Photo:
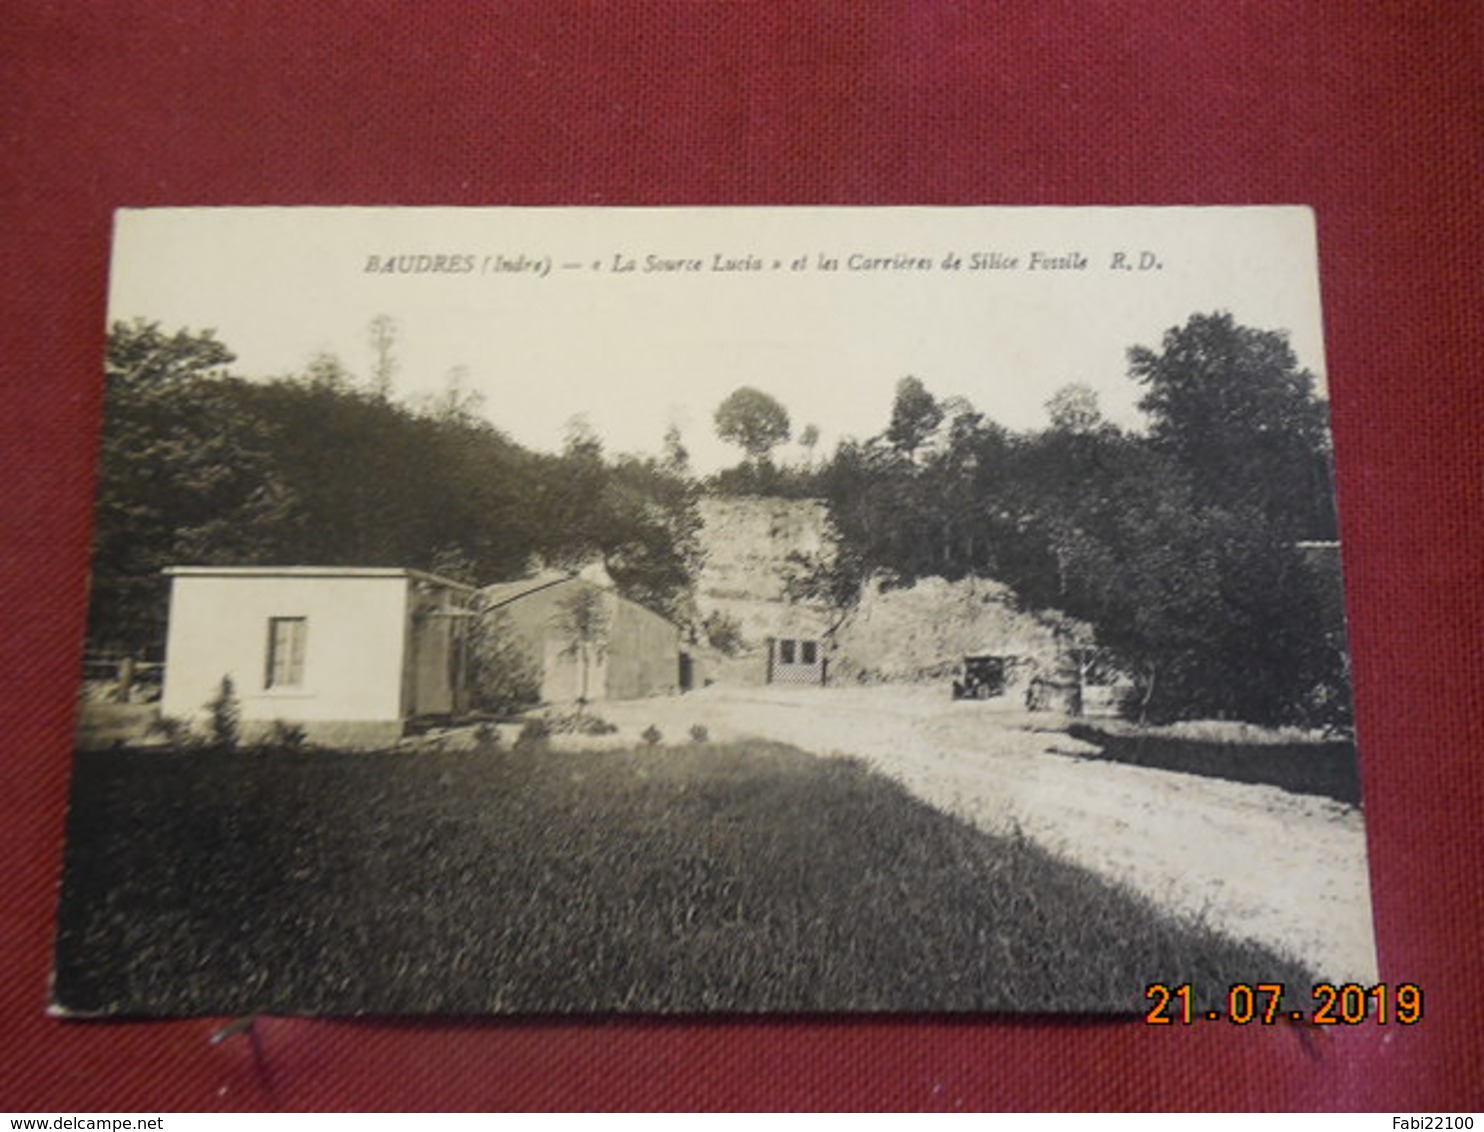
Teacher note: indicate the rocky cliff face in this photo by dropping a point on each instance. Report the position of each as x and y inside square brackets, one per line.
[923, 632]
[916, 633]
[747, 541]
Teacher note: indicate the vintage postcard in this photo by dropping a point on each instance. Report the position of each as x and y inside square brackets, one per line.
[716, 610]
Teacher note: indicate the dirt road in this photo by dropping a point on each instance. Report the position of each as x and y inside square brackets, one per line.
[1254, 861]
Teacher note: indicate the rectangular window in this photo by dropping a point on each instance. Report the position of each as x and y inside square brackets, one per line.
[785, 652]
[810, 652]
[286, 651]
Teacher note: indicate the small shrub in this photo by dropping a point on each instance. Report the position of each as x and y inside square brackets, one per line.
[651, 736]
[724, 633]
[594, 725]
[225, 726]
[698, 733]
[534, 732]
[285, 736]
[580, 723]
[175, 731]
[486, 738]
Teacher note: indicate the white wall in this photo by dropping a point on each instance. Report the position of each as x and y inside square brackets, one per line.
[353, 649]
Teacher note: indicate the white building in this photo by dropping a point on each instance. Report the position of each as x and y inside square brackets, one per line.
[349, 654]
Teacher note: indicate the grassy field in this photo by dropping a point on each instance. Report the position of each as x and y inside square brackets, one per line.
[1326, 768]
[736, 877]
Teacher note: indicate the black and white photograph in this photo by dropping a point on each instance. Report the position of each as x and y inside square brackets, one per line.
[714, 611]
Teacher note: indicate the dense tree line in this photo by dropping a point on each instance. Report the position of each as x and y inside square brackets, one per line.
[202, 467]
[1188, 547]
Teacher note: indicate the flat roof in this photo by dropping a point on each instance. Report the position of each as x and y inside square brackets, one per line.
[312, 572]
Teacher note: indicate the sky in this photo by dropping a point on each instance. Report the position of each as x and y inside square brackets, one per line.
[639, 319]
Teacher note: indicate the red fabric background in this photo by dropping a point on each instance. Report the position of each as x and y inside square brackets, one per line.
[1371, 113]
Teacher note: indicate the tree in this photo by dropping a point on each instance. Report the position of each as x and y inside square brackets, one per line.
[1185, 562]
[457, 403]
[1232, 407]
[753, 420]
[327, 371]
[201, 467]
[1074, 409]
[915, 416]
[141, 355]
[723, 632]
[807, 441]
[676, 456]
[580, 440]
[1218, 616]
[381, 333]
[646, 525]
[185, 476]
[582, 621]
[455, 563]
[1195, 572]
[224, 717]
